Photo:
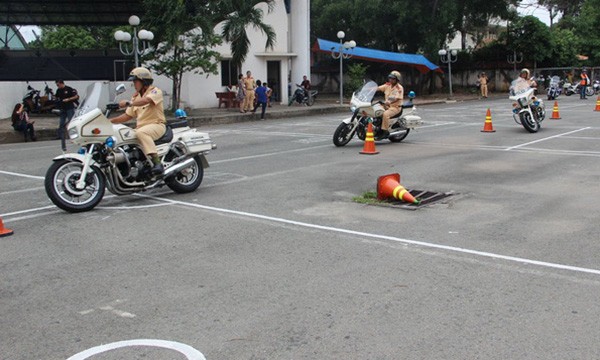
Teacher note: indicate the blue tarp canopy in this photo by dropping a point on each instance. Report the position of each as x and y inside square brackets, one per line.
[419, 62]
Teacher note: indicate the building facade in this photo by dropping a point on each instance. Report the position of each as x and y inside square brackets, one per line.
[287, 61]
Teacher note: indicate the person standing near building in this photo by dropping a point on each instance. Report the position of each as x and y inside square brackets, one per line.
[483, 84]
[269, 94]
[305, 86]
[241, 92]
[67, 99]
[261, 94]
[249, 86]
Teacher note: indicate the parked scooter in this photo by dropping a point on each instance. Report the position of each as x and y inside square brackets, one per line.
[554, 88]
[300, 96]
[36, 104]
[364, 110]
[571, 89]
[528, 110]
[110, 157]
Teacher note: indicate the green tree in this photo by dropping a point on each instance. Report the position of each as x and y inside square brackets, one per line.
[357, 73]
[76, 37]
[531, 37]
[237, 16]
[184, 43]
[586, 29]
[565, 47]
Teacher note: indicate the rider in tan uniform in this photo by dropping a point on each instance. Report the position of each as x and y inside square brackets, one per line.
[147, 107]
[394, 93]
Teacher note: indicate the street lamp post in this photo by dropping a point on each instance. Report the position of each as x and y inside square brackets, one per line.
[514, 59]
[124, 37]
[343, 52]
[448, 57]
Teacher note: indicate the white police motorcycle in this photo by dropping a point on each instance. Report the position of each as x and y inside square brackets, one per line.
[528, 110]
[365, 111]
[110, 157]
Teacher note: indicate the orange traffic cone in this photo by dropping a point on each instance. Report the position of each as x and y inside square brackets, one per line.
[487, 126]
[597, 104]
[555, 114]
[389, 186]
[369, 148]
[4, 231]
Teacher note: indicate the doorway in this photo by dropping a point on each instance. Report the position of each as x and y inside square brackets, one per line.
[274, 79]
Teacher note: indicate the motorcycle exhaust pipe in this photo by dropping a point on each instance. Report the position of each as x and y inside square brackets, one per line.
[174, 169]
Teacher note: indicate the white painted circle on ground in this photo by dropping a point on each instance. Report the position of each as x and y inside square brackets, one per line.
[188, 351]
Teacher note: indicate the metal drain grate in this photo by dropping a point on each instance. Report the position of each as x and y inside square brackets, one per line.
[426, 197]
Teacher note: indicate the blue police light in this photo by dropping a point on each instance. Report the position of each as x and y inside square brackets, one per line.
[110, 142]
[411, 95]
[81, 151]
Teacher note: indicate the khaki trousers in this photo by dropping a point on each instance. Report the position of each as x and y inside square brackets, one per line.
[249, 100]
[147, 134]
[484, 90]
[385, 125]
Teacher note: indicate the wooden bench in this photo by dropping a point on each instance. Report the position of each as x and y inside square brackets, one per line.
[227, 98]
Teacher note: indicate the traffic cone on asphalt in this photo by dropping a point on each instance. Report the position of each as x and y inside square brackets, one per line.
[369, 148]
[389, 186]
[597, 104]
[4, 231]
[555, 114]
[487, 126]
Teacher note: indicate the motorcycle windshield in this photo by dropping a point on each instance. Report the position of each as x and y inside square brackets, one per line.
[554, 81]
[519, 87]
[366, 92]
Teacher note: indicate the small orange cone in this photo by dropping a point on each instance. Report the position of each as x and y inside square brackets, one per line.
[487, 126]
[369, 148]
[389, 186]
[4, 231]
[555, 114]
[597, 104]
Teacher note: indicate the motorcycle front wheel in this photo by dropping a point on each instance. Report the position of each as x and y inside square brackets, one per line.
[343, 134]
[188, 179]
[60, 184]
[529, 122]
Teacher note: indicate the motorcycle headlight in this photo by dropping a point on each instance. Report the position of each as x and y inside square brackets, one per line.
[352, 108]
[73, 133]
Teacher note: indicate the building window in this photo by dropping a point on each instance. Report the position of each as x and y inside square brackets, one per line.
[228, 73]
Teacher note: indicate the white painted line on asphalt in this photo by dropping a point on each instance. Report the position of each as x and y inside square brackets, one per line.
[384, 237]
[547, 138]
[189, 352]
[28, 211]
[21, 191]
[22, 175]
[57, 147]
[270, 154]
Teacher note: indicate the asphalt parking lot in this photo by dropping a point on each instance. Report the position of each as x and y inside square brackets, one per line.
[271, 259]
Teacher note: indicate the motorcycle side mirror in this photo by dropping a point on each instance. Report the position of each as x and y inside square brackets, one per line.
[120, 89]
[411, 95]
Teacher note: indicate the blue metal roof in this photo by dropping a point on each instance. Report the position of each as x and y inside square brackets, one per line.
[420, 62]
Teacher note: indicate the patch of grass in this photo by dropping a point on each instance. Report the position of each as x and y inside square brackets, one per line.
[369, 197]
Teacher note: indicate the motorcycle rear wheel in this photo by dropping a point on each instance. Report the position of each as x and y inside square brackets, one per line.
[529, 122]
[342, 134]
[60, 186]
[188, 179]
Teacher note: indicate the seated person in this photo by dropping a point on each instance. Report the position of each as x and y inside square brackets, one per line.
[21, 122]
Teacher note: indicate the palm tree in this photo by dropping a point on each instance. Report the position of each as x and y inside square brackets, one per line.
[236, 16]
